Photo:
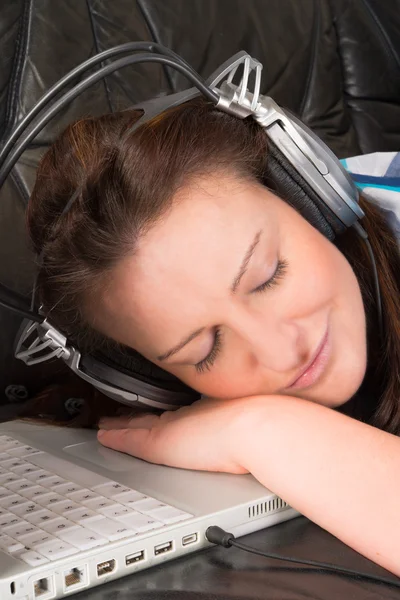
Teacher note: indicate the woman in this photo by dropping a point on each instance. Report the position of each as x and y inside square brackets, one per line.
[176, 248]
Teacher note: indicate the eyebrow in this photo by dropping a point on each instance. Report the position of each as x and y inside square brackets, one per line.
[233, 289]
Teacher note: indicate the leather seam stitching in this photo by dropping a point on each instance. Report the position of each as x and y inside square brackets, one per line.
[156, 39]
[346, 108]
[310, 76]
[17, 179]
[96, 46]
[386, 42]
[18, 67]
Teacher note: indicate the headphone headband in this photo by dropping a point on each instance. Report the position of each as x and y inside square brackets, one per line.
[329, 199]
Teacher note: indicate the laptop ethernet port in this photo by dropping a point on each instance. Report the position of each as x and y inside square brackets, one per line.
[106, 567]
[75, 578]
[43, 588]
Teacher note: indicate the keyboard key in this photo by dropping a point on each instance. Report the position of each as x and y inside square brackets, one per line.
[148, 505]
[20, 484]
[49, 499]
[128, 498]
[13, 463]
[65, 489]
[56, 549]
[83, 496]
[23, 451]
[113, 512]
[8, 477]
[9, 519]
[140, 522]
[82, 515]
[49, 480]
[40, 475]
[170, 515]
[100, 503]
[26, 470]
[8, 544]
[64, 506]
[4, 493]
[34, 492]
[34, 516]
[10, 445]
[83, 539]
[17, 531]
[110, 489]
[12, 501]
[31, 540]
[33, 558]
[22, 509]
[55, 526]
[112, 530]
[41, 516]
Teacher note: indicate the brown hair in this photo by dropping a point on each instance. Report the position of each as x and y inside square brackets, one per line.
[126, 181]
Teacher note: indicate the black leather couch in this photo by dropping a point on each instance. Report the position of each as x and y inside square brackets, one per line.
[335, 63]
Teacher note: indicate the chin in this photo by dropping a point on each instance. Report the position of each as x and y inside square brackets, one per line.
[337, 389]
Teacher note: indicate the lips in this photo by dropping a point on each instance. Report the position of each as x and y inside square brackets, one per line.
[315, 367]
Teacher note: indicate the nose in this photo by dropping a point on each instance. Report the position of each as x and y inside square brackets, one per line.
[280, 346]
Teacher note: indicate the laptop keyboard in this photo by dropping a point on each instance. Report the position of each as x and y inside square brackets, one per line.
[44, 516]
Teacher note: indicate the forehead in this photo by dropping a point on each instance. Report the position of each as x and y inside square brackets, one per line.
[186, 260]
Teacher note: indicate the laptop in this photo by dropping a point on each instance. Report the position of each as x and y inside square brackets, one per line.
[74, 515]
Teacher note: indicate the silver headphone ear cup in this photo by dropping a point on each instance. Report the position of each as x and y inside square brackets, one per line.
[287, 183]
[128, 370]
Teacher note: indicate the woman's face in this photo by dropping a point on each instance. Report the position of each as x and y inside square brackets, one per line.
[238, 295]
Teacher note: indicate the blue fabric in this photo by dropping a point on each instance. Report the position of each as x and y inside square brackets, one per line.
[389, 182]
[378, 176]
[394, 168]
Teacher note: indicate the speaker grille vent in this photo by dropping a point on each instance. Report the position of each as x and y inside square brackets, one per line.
[264, 508]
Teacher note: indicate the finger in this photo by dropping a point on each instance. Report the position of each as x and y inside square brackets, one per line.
[146, 421]
[134, 442]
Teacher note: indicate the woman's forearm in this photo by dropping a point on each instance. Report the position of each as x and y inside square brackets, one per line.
[342, 474]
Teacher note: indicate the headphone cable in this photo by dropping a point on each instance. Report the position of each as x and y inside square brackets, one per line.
[14, 302]
[220, 537]
[19, 148]
[74, 73]
[364, 236]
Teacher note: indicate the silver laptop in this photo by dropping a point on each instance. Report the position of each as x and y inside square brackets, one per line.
[74, 515]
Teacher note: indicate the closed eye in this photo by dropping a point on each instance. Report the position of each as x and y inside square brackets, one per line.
[280, 271]
[206, 363]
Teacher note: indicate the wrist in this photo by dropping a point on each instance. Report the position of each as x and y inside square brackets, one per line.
[252, 425]
[262, 425]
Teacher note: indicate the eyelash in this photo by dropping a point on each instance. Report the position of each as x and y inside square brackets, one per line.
[208, 361]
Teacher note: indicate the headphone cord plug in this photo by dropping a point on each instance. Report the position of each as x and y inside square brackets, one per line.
[220, 537]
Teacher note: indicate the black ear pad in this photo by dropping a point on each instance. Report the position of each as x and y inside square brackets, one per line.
[283, 179]
[133, 364]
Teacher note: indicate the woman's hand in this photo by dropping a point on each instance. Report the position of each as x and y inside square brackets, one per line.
[208, 435]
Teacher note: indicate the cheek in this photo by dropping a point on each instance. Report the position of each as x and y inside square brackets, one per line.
[320, 275]
[337, 285]
[232, 383]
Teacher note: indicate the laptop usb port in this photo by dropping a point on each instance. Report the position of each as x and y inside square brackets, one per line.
[134, 558]
[163, 548]
[189, 539]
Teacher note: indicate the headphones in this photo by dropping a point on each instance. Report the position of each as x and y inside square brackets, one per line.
[301, 168]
